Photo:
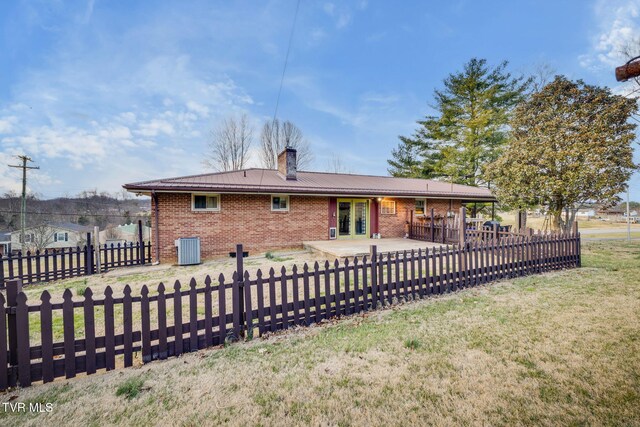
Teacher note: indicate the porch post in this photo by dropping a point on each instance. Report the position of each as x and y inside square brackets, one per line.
[432, 230]
[411, 225]
[462, 237]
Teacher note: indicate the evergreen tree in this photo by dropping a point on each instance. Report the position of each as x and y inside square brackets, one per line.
[469, 129]
[406, 160]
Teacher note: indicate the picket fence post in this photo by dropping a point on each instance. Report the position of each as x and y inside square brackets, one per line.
[14, 287]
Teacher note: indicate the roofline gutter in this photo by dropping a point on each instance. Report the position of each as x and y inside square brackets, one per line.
[149, 192]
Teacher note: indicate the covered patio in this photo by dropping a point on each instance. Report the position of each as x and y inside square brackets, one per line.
[359, 247]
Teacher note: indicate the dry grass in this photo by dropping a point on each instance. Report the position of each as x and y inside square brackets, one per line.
[538, 223]
[557, 349]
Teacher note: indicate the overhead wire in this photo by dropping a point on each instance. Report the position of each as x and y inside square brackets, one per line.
[286, 61]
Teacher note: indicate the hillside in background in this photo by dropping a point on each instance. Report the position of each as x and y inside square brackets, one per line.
[87, 208]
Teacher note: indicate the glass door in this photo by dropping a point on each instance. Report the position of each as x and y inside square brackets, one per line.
[344, 218]
[360, 217]
[353, 218]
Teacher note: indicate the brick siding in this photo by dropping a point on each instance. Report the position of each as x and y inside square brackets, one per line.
[248, 219]
[243, 218]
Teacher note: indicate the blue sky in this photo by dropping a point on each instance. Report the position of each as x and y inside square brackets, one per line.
[102, 93]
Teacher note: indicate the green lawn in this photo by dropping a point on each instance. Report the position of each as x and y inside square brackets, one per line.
[557, 349]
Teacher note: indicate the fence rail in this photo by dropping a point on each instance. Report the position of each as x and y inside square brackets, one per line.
[63, 263]
[179, 320]
[447, 230]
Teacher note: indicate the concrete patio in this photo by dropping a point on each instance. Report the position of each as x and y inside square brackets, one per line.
[360, 247]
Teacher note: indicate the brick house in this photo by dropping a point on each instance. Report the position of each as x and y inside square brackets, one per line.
[269, 209]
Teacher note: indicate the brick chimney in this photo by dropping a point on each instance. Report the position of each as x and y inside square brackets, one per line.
[287, 163]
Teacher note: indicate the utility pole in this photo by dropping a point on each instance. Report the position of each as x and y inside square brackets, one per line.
[23, 210]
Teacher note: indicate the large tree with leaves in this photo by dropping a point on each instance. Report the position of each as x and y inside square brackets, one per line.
[570, 143]
[469, 129]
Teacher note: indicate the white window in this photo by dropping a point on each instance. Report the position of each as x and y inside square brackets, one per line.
[421, 205]
[205, 202]
[280, 203]
[388, 207]
[28, 238]
[61, 237]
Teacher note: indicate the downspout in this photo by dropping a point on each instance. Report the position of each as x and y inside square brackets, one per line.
[154, 196]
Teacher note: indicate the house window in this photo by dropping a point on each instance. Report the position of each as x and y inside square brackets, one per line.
[420, 206]
[61, 237]
[280, 203]
[28, 238]
[205, 202]
[388, 207]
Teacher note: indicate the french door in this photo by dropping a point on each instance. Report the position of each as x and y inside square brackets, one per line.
[353, 217]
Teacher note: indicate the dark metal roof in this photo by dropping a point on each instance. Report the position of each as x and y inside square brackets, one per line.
[270, 181]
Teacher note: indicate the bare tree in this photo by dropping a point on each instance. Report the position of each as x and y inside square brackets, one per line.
[40, 236]
[542, 74]
[631, 48]
[336, 165]
[228, 149]
[276, 136]
[112, 233]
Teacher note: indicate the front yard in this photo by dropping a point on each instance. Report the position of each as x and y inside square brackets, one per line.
[561, 348]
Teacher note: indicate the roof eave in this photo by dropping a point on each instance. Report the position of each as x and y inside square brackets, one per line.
[318, 192]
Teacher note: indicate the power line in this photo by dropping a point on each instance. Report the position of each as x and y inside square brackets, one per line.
[286, 60]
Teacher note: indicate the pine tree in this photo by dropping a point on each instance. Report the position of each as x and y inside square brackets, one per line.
[405, 162]
[470, 126]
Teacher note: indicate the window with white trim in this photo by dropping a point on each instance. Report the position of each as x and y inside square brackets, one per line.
[205, 202]
[28, 238]
[279, 203]
[421, 205]
[61, 237]
[388, 207]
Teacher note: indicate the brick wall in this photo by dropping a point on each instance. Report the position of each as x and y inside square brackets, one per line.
[248, 219]
[243, 218]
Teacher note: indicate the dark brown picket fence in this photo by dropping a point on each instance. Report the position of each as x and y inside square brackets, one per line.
[63, 263]
[116, 328]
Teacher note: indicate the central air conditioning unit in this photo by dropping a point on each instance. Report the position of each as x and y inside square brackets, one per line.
[332, 233]
[188, 250]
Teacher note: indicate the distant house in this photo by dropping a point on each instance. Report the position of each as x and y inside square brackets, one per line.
[50, 236]
[5, 242]
[124, 233]
[586, 213]
[611, 214]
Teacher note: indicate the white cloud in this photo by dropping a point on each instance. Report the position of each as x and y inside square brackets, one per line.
[202, 110]
[155, 127]
[7, 124]
[329, 8]
[341, 15]
[618, 28]
[128, 117]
